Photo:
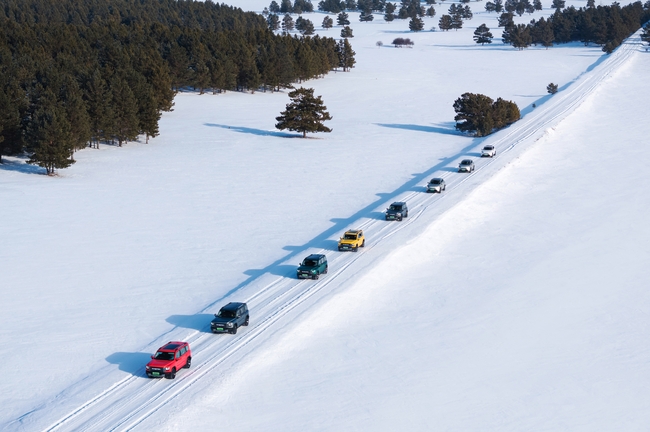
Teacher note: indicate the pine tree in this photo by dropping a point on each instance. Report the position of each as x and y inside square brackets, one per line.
[389, 12]
[551, 88]
[287, 24]
[591, 4]
[518, 36]
[125, 111]
[346, 32]
[48, 135]
[285, 7]
[416, 24]
[474, 114]
[483, 35]
[366, 15]
[431, 12]
[506, 20]
[490, 7]
[306, 27]
[498, 6]
[273, 21]
[328, 22]
[274, 7]
[537, 5]
[343, 19]
[346, 55]
[305, 113]
[558, 4]
[445, 23]
[466, 13]
[456, 22]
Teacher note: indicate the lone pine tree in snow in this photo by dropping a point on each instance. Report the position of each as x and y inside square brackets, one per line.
[305, 113]
[482, 35]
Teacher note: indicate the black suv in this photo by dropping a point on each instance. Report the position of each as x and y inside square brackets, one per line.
[397, 211]
[312, 266]
[229, 318]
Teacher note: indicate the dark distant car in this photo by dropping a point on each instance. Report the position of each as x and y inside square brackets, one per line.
[488, 151]
[230, 318]
[169, 359]
[466, 165]
[397, 211]
[312, 266]
[436, 185]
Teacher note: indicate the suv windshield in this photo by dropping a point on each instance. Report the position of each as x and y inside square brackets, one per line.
[466, 162]
[396, 207]
[227, 314]
[435, 181]
[350, 236]
[309, 263]
[160, 355]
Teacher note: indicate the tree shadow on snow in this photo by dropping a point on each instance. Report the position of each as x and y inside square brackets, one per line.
[200, 322]
[130, 362]
[254, 131]
[441, 129]
[21, 166]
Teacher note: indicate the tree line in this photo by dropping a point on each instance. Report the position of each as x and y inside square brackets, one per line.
[606, 26]
[74, 72]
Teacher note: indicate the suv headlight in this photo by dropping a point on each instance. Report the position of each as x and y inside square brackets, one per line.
[147, 367]
[167, 368]
[229, 324]
[313, 271]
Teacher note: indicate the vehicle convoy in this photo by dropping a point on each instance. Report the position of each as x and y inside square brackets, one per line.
[230, 318]
[488, 151]
[169, 359]
[466, 165]
[436, 185]
[352, 240]
[312, 267]
[397, 211]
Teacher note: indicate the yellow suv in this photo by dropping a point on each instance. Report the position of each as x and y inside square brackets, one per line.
[352, 240]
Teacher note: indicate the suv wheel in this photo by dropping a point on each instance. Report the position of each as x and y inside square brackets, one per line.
[188, 363]
[172, 374]
[400, 218]
[363, 243]
[246, 322]
[406, 214]
[315, 277]
[234, 329]
[325, 271]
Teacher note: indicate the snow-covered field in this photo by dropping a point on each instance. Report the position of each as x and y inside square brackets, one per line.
[516, 300]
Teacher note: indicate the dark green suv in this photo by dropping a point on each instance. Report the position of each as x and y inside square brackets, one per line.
[312, 266]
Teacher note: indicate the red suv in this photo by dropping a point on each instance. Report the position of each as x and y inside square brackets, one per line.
[169, 359]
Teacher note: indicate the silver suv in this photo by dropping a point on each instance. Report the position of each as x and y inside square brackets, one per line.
[466, 165]
[436, 185]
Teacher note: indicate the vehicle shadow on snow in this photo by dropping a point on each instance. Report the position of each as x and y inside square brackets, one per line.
[131, 362]
[254, 131]
[200, 321]
[278, 270]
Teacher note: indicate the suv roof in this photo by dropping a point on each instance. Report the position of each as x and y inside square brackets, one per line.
[398, 203]
[232, 306]
[171, 346]
[315, 256]
[353, 231]
[466, 161]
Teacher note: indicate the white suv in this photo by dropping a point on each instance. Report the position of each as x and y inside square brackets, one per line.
[488, 151]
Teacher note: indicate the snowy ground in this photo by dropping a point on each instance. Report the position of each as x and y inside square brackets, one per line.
[515, 301]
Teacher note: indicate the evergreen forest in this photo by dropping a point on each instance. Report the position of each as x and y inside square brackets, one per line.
[606, 26]
[75, 73]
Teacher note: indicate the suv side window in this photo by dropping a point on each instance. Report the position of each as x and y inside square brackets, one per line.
[178, 355]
